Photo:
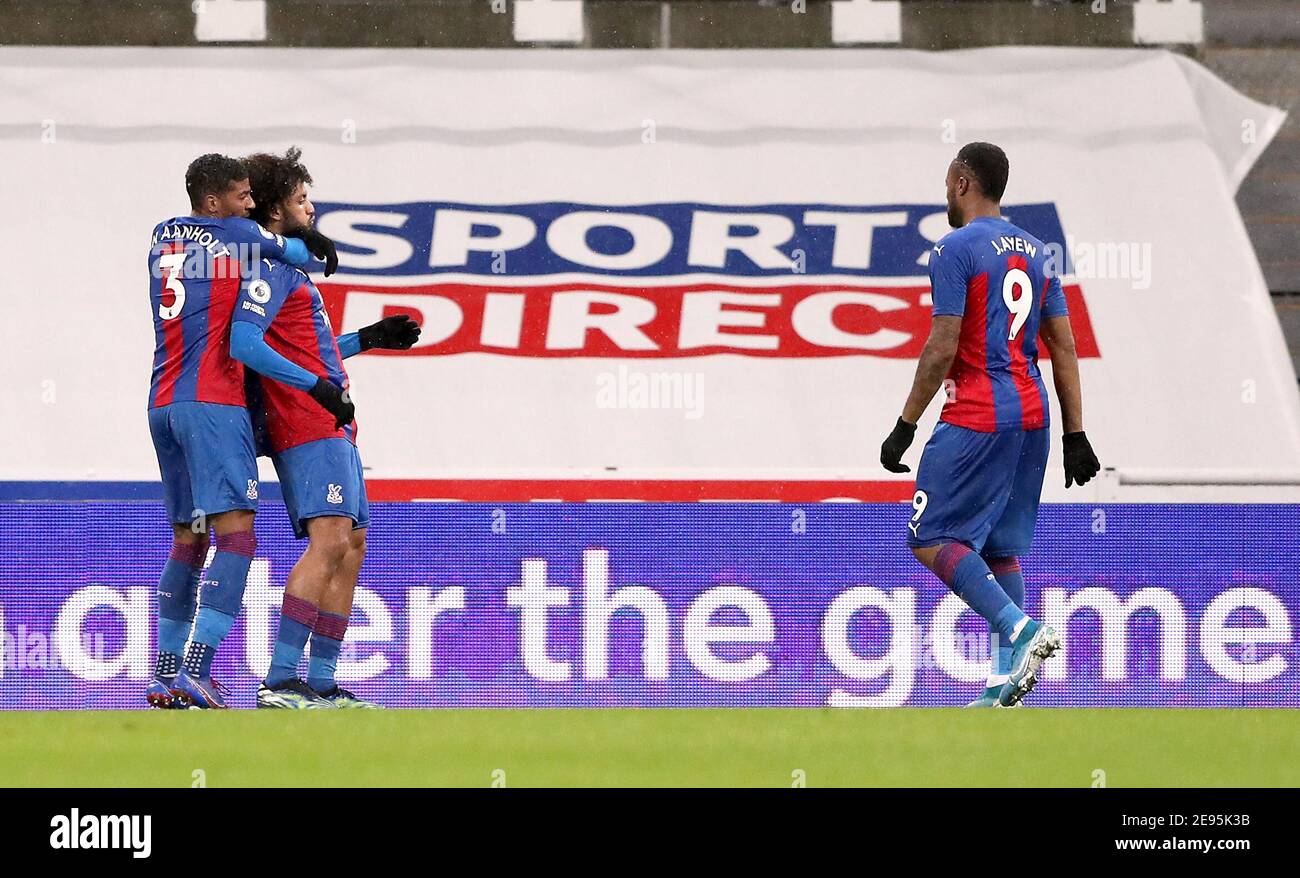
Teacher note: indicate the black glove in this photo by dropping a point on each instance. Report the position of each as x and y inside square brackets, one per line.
[396, 333]
[322, 248]
[334, 400]
[891, 450]
[1081, 463]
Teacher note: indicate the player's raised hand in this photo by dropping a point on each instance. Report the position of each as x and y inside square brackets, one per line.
[396, 333]
[322, 248]
[891, 450]
[334, 400]
[1081, 463]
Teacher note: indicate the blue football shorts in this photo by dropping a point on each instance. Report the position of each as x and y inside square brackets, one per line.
[980, 489]
[206, 458]
[322, 478]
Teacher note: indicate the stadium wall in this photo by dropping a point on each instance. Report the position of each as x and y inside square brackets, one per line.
[572, 229]
[499, 196]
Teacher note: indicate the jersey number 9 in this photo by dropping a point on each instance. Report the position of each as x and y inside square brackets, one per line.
[1018, 294]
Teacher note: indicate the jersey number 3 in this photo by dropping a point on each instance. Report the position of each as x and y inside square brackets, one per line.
[171, 264]
[1018, 294]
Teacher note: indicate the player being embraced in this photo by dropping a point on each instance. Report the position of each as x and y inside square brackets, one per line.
[282, 331]
[981, 474]
[197, 419]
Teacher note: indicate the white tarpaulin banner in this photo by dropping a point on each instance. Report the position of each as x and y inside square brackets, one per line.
[649, 265]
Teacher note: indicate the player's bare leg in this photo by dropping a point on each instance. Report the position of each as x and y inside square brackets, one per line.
[927, 554]
[177, 599]
[327, 639]
[328, 545]
[220, 600]
[338, 594]
[188, 535]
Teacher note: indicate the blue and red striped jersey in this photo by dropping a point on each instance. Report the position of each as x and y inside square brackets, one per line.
[286, 305]
[997, 278]
[195, 268]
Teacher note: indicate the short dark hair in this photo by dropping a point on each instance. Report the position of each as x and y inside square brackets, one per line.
[988, 165]
[273, 178]
[212, 174]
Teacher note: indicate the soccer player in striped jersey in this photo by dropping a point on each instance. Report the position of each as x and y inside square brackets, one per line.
[981, 474]
[197, 419]
[282, 332]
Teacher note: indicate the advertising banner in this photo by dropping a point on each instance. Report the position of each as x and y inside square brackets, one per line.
[658, 269]
[549, 605]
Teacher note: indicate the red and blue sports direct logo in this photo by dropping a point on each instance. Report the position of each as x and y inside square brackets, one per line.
[562, 279]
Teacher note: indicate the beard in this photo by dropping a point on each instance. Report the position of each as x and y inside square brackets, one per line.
[954, 216]
[293, 228]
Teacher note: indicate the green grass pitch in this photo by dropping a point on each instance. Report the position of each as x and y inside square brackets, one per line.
[753, 747]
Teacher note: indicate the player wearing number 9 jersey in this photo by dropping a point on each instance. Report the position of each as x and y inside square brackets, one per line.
[993, 276]
[200, 428]
[981, 474]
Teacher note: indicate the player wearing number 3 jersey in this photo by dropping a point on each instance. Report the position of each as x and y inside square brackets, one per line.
[197, 419]
[981, 474]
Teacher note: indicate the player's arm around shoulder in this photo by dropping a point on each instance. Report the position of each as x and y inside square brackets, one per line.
[259, 243]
